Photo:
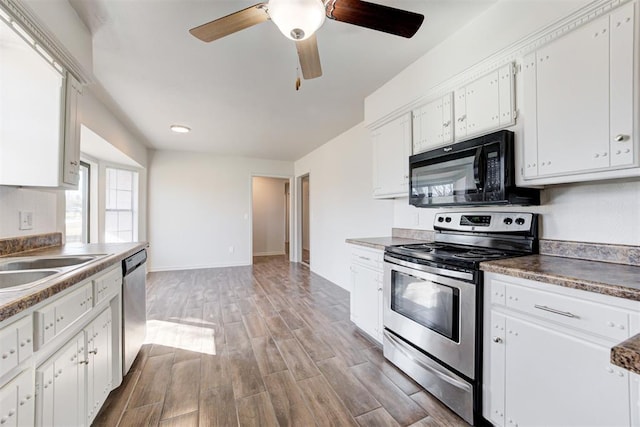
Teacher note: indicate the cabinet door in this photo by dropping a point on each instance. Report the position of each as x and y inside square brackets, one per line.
[365, 296]
[483, 104]
[26, 398]
[391, 151]
[573, 101]
[432, 124]
[9, 405]
[99, 368]
[494, 381]
[460, 113]
[31, 96]
[530, 146]
[61, 394]
[621, 112]
[71, 155]
[554, 379]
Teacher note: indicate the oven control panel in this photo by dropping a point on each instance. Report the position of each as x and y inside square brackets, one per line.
[485, 222]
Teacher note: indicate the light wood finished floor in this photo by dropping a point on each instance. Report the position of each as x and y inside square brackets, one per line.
[268, 345]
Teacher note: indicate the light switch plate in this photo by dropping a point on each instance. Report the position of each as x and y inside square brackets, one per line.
[26, 220]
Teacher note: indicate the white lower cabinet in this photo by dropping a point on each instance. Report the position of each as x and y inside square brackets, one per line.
[366, 290]
[74, 383]
[544, 362]
[99, 358]
[17, 401]
[65, 378]
[60, 385]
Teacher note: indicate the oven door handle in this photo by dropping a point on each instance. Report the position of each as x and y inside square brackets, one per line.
[400, 346]
[478, 169]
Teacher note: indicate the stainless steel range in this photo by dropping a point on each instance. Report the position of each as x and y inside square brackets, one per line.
[433, 301]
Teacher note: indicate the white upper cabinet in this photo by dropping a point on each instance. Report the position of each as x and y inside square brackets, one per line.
[39, 125]
[485, 104]
[433, 124]
[71, 146]
[578, 101]
[391, 151]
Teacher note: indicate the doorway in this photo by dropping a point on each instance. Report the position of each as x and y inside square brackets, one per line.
[270, 216]
[305, 219]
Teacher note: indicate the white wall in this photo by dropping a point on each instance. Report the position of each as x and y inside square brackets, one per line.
[341, 203]
[201, 208]
[43, 203]
[596, 212]
[268, 216]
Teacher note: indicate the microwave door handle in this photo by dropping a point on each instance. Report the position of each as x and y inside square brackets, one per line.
[478, 169]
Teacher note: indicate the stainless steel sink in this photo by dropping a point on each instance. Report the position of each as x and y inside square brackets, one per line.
[15, 280]
[45, 262]
[25, 272]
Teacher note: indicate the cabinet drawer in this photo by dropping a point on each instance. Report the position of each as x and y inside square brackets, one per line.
[106, 285]
[589, 316]
[371, 258]
[8, 349]
[16, 344]
[55, 317]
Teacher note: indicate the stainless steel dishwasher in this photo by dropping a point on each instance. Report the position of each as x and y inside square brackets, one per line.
[134, 307]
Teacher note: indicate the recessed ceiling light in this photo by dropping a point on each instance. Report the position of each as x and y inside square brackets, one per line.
[180, 129]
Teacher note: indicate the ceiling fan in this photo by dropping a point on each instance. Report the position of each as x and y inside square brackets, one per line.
[300, 19]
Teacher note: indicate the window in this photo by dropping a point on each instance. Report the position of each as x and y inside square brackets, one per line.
[77, 209]
[121, 206]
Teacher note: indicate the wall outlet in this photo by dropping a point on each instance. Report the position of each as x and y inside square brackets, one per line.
[26, 220]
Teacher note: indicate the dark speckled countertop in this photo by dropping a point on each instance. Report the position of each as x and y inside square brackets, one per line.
[618, 280]
[381, 242]
[13, 302]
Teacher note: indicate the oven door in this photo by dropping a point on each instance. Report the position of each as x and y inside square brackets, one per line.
[435, 313]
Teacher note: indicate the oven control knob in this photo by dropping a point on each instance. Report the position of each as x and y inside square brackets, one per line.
[448, 219]
[519, 221]
[507, 221]
[440, 219]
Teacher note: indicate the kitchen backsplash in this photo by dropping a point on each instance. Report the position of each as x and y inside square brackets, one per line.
[618, 254]
[43, 204]
[28, 243]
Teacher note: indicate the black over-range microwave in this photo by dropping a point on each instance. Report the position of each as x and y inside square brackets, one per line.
[476, 172]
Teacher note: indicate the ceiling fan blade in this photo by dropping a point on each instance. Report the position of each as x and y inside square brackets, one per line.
[309, 58]
[232, 23]
[375, 16]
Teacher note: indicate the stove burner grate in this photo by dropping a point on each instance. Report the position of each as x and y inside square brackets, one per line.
[479, 254]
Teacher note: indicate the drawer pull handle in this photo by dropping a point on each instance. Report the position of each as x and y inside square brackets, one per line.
[364, 258]
[553, 310]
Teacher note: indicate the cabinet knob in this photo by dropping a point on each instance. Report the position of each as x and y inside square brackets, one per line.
[596, 155]
[620, 138]
[497, 340]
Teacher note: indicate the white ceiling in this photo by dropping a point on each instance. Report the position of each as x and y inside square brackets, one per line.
[237, 93]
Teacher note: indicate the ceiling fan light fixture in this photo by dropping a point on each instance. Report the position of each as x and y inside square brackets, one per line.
[180, 129]
[297, 19]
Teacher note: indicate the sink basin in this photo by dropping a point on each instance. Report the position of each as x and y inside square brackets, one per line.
[42, 263]
[18, 279]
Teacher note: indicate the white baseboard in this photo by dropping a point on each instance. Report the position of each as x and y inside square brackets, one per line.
[195, 267]
[269, 253]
